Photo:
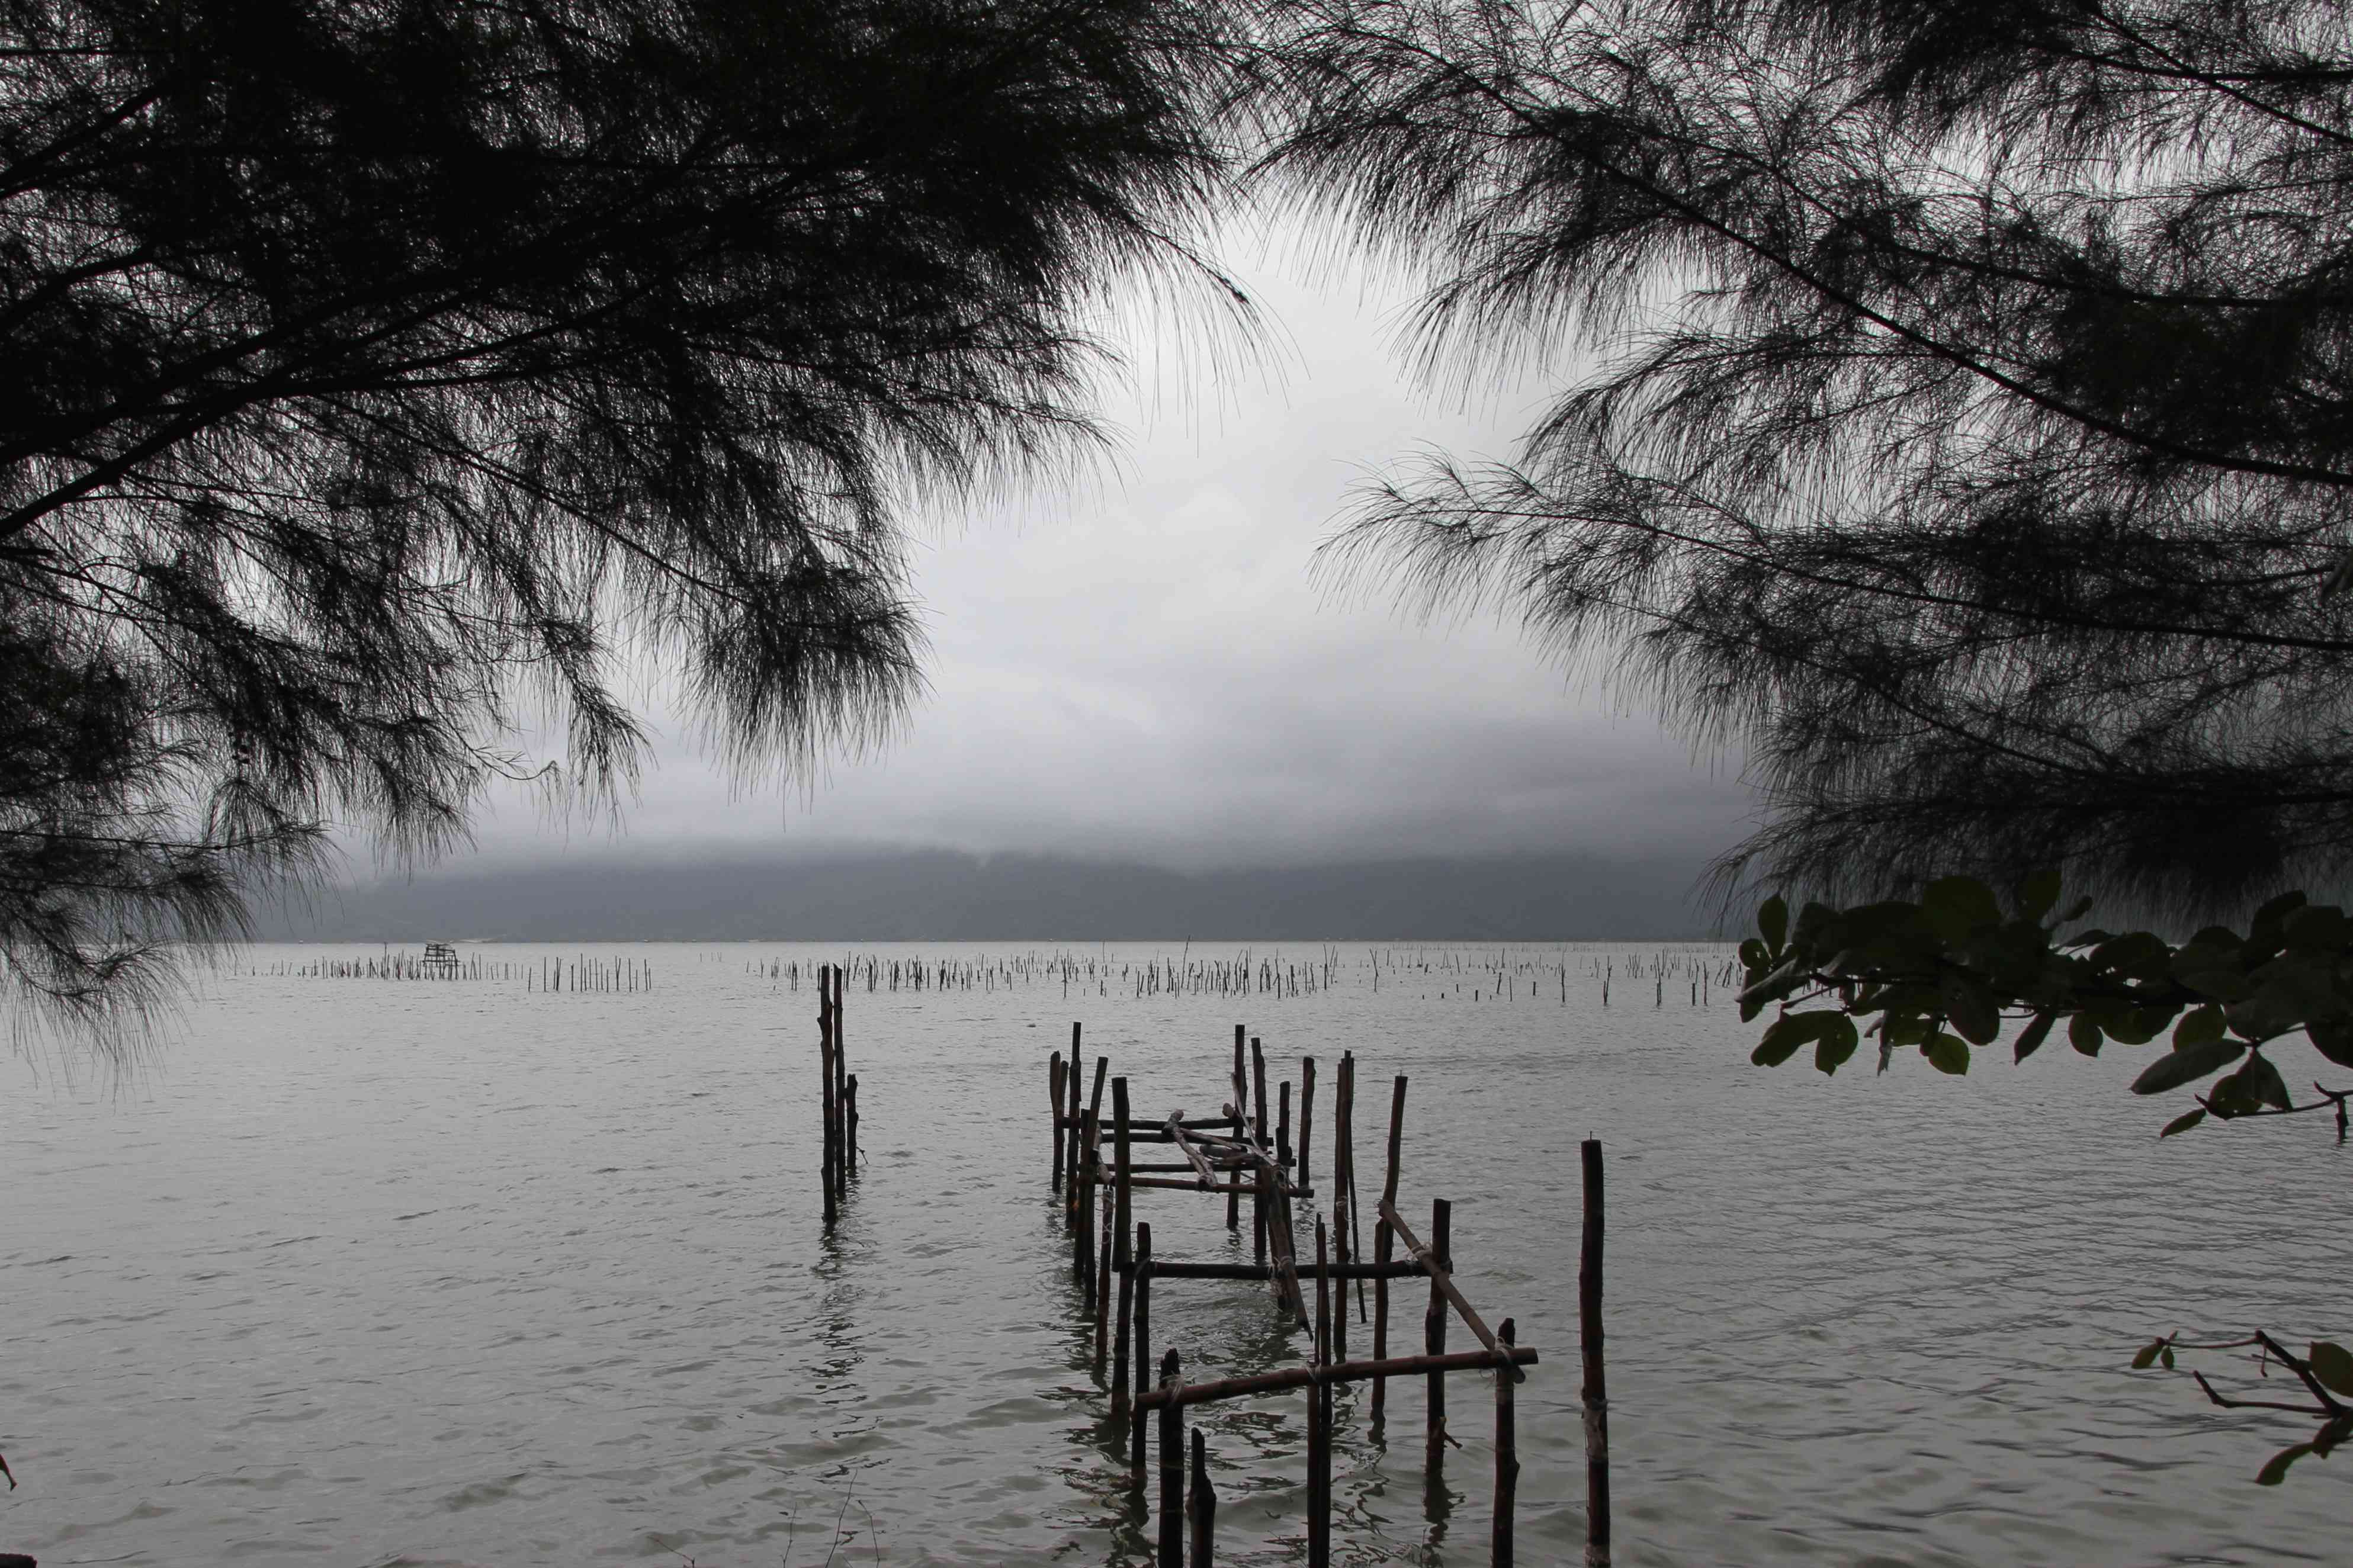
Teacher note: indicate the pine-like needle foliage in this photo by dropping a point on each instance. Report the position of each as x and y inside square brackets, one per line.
[1966, 424]
[375, 367]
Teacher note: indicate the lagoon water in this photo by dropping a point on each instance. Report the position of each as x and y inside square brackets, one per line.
[365, 1273]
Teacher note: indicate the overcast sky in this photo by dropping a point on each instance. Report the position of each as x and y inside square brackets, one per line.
[1139, 666]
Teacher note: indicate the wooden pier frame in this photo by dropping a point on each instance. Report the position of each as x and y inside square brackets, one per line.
[1244, 1149]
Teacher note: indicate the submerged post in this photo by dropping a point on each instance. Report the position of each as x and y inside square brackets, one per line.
[1433, 1331]
[1507, 1453]
[1070, 1081]
[1120, 1258]
[1319, 1417]
[1241, 1109]
[1306, 1119]
[1201, 1507]
[1054, 1097]
[826, 1022]
[1143, 1340]
[1172, 1466]
[1384, 1245]
[1596, 1388]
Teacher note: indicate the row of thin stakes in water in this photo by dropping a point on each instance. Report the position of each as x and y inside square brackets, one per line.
[550, 973]
[1445, 974]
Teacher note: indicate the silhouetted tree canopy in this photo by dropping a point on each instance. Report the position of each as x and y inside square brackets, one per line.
[376, 372]
[1961, 422]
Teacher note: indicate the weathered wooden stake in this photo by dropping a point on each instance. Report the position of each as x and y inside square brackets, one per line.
[1120, 1257]
[1306, 1119]
[850, 1126]
[1433, 1334]
[1054, 1096]
[1319, 1417]
[1172, 1469]
[1241, 1109]
[1507, 1453]
[826, 1022]
[1282, 1130]
[1202, 1506]
[1257, 1125]
[1071, 1080]
[1143, 1340]
[1385, 1245]
[1597, 1387]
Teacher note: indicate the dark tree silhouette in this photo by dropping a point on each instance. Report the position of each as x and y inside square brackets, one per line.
[1962, 422]
[377, 370]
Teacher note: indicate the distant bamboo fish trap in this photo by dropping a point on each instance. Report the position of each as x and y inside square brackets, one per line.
[1237, 1154]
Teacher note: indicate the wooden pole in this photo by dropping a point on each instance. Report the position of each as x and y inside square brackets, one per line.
[1143, 1342]
[840, 1090]
[1242, 1106]
[1319, 1417]
[1343, 1172]
[1054, 1096]
[1342, 1371]
[1071, 1078]
[1384, 1245]
[826, 1010]
[1103, 1291]
[1597, 1386]
[1283, 1127]
[1202, 1506]
[1507, 1454]
[1172, 1468]
[1306, 1119]
[1083, 1184]
[1120, 1257]
[850, 1127]
[1257, 1122]
[1433, 1336]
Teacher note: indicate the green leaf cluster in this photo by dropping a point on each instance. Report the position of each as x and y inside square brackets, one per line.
[1947, 973]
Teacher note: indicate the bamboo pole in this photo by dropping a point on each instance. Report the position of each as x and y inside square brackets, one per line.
[840, 1091]
[1282, 1126]
[1062, 1135]
[1172, 1468]
[826, 1010]
[850, 1127]
[1120, 1257]
[1507, 1454]
[1083, 1187]
[1240, 1105]
[1258, 1126]
[1433, 1331]
[1344, 1170]
[1071, 1160]
[1442, 1282]
[1319, 1417]
[1597, 1386]
[1172, 1269]
[1384, 1244]
[1142, 1341]
[1201, 1507]
[1306, 1119]
[1340, 1371]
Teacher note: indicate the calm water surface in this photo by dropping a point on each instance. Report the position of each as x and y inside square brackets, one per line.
[368, 1274]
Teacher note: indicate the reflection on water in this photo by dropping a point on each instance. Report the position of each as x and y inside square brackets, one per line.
[374, 1273]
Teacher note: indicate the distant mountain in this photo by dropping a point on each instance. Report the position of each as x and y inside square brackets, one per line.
[943, 896]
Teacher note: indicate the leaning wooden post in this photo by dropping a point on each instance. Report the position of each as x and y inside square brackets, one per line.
[1384, 1245]
[1143, 1271]
[1597, 1387]
[1201, 1507]
[1508, 1452]
[1319, 1417]
[1120, 1258]
[1241, 1108]
[1306, 1119]
[1433, 1332]
[1172, 1466]
[1054, 1097]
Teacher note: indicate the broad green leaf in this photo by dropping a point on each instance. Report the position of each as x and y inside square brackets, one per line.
[2322, 926]
[2199, 1026]
[1947, 1053]
[1835, 1045]
[2030, 1038]
[2139, 953]
[1755, 958]
[2333, 1366]
[2260, 1082]
[2084, 1034]
[2265, 928]
[1976, 1016]
[2177, 1067]
[2274, 1469]
[2332, 1038]
[1955, 908]
[2039, 893]
[1773, 921]
[1792, 1030]
[2184, 1122]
